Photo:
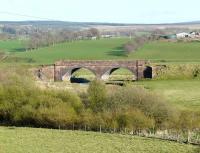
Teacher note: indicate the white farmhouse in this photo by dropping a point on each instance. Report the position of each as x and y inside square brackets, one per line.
[195, 35]
[93, 38]
[182, 35]
[106, 36]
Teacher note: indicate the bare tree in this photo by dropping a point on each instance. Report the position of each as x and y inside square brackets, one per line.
[134, 45]
[94, 32]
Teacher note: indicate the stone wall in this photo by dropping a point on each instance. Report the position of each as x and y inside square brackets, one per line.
[46, 73]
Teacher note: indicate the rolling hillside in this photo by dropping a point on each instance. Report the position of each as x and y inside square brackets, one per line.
[105, 49]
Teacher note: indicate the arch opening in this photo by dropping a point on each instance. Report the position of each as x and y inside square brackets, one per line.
[119, 74]
[82, 75]
[147, 72]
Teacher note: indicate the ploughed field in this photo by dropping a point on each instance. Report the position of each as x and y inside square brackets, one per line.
[21, 140]
[103, 49]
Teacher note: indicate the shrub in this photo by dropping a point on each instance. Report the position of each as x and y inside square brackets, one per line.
[151, 104]
[22, 103]
[97, 95]
[178, 71]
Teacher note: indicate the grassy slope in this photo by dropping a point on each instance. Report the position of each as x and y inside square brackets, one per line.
[12, 46]
[21, 140]
[96, 49]
[170, 51]
[180, 93]
[106, 49]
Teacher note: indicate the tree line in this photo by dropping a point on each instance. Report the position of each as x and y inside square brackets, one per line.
[138, 42]
[48, 38]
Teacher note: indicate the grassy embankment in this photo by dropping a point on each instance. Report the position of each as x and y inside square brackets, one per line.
[20, 140]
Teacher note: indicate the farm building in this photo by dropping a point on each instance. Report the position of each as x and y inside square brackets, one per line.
[188, 35]
[93, 38]
[106, 36]
[195, 35]
[183, 35]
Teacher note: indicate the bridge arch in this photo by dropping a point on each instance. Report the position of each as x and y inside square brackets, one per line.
[108, 73]
[71, 74]
[147, 73]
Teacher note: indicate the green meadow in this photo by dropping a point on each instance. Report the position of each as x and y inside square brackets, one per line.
[183, 94]
[104, 49]
[169, 52]
[29, 140]
[11, 46]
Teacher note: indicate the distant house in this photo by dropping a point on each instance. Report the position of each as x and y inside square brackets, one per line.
[194, 35]
[188, 35]
[93, 38]
[191, 35]
[80, 37]
[183, 35]
[106, 36]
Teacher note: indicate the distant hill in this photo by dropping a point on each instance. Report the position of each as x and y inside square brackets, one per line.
[59, 24]
[68, 23]
[188, 23]
[79, 25]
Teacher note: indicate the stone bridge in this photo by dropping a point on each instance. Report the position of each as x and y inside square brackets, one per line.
[63, 70]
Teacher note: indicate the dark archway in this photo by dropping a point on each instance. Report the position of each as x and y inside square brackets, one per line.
[82, 75]
[148, 72]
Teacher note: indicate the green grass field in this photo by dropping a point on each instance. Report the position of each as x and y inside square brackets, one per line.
[183, 94]
[12, 46]
[30, 140]
[105, 49]
[170, 52]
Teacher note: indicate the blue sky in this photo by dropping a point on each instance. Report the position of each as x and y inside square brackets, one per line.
[119, 11]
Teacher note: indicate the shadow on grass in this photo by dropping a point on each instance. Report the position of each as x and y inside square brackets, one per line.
[118, 51]
[11, 128]
[19, 50]
[19, 60]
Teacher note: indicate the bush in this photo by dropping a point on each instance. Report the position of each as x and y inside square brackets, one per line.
[22, 103]
[97, 95]
[151, 104]
[179, 71]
